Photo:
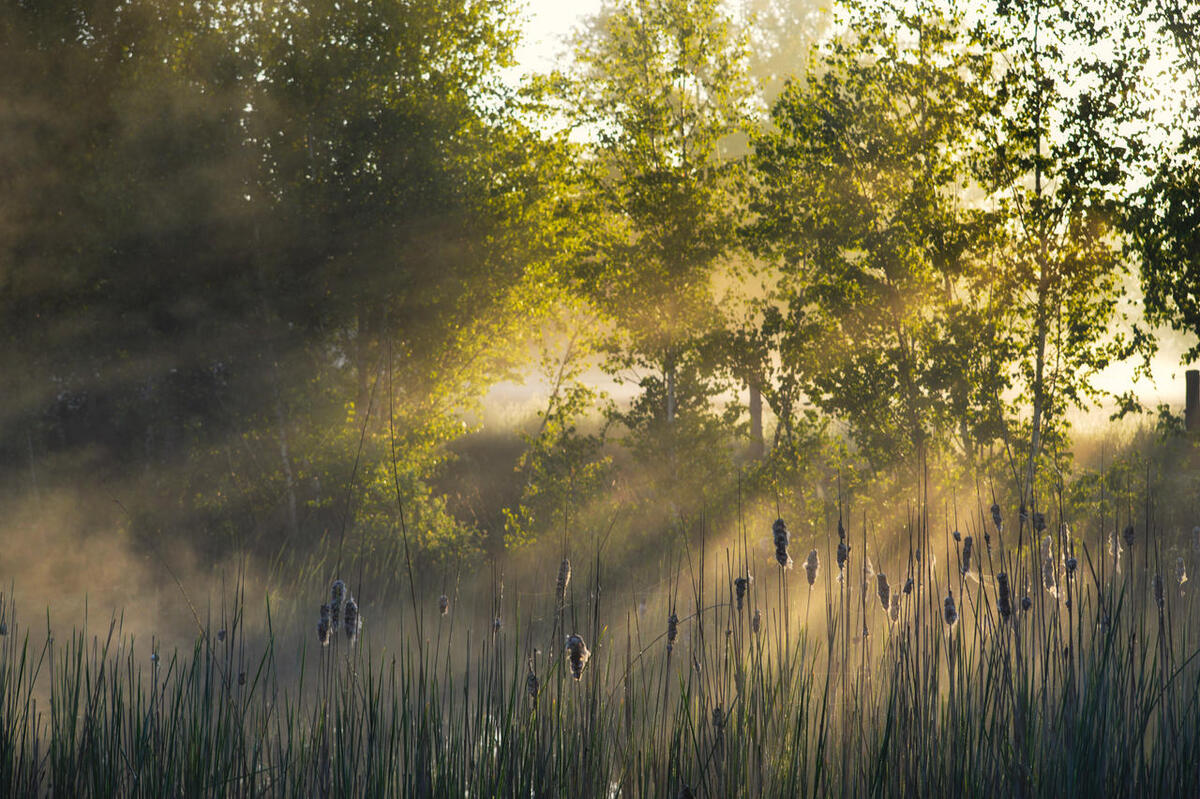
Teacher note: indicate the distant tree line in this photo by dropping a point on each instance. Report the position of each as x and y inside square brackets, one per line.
[260, 262]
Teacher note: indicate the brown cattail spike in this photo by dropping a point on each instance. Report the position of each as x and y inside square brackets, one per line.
[672, 631]
[324, 626]
[884, 591]
[577, 655]
[1158, 592]
[756, 622]
[352, 621]
[967, 548]
[1128, 536]
[812, 564]
[1003, 596]
[564, 579]
[950, 611]
[780, 532]
[740, 585]
[997, 519]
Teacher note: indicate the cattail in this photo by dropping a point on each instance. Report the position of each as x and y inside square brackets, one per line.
[337, 593]
[352, 622]
[1158, 591]
[885, 592]
[917, 554]
[967, 549]
[443, 604]
[685, 793]
[1003, 596]
[672, 631]
[564, 579]
[987, 541]
[811, 565]
[221, 636]
[154, 658]
[241, 678]
[1128, 536]
[1026, 603]
[843, 554]
[894, 608]
[740, 585]
[1023, 514]
[756, 623]
[951, 612]
[531, 683]
[1072, 564]
[780, 531]
[908, 586]
[577, 655]
[1048, 580]
[1039, 521]
[718, 717]
[997, 519]
[324, 628]
[957, 536]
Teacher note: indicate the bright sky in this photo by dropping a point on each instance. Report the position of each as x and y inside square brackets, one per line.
[548, 23]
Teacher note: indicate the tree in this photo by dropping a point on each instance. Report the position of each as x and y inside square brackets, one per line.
[659, 88]
[1164, 216]
[1056, 168]
[861, 197]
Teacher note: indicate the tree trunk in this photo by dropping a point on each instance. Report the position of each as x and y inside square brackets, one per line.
[757, 446]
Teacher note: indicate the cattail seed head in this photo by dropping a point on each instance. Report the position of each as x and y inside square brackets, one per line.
[740, 585]
[997, 519]
[352, 621]
[154, 658]
[957, 536]
[908, 586]
[987, 541]
[780, 532]
[564, 579]
[1023, 514]
[241, 678]
[324, 627]
[443, 604]
[718, 717]
[1072, 564]
[1003, 596]
[894, 608]
[531, 684]
[577, 655]
[884, 591]
[811, 565]
[672, 631]
[1158, 591]
[949, 610]
[756, 622]
[967, 548]
[843, 555]
[1026, 603]
[1128, 536]
[1039, 521]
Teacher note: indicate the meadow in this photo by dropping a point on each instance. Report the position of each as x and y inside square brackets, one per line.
[1011, 654]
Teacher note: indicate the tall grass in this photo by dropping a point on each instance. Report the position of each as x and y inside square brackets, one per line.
[1085, 685]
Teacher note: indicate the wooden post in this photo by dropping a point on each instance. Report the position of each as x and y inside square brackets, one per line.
[1191, 413]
